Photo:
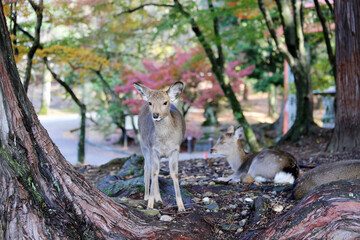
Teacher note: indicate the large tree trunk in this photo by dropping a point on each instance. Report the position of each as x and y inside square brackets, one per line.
[330, 211]
[304, 101]
[346, 136]
[42, 196]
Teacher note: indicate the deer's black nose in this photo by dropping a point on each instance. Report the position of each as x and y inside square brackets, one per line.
[155, 115]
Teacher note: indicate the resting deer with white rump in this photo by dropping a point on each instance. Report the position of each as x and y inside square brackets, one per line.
[267, 165]
[162, 129]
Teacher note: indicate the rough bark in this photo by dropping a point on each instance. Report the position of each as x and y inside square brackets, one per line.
[346, 136]
[42, 196]
[330, 211]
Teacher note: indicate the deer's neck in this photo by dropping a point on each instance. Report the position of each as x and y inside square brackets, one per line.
[236, 157]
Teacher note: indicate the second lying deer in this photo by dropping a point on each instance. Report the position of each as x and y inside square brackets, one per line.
[274, 165]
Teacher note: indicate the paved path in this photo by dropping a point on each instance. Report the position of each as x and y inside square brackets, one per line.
[59, 126]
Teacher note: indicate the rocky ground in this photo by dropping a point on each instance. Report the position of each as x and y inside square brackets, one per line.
[231, 210]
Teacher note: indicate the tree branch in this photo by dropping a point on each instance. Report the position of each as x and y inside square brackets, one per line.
[297, 6]
[26, 33]
[220, 59]
[326, 37]
[198, 33]
[36, 41]
[330, 8]
[128, 10]
[279, 44]
[62, 83]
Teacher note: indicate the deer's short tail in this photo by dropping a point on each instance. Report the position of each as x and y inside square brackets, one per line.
[284, 177]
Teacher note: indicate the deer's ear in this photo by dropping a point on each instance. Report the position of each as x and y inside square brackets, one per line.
[239, 133]
[230, 129]
[175, 91]
[142, 90]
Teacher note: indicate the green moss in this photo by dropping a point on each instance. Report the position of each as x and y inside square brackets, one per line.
[25, 178]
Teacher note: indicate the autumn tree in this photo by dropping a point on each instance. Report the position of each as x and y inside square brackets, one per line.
[190, 67]
[43, 197]
[207, 31]
[346, 135]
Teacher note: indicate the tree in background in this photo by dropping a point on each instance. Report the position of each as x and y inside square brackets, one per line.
[294, 51]
[268, 71]
[346, 135]
[43, 196]
[205, 25]
[201, 89]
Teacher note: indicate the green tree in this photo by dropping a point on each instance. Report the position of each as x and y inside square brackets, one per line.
[294, 51]
[210, 38]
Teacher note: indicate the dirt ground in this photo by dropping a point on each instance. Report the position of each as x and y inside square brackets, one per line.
[233, 211]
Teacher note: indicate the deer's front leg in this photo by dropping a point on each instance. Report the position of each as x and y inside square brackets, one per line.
[147, 172]
[173, 165]
[154, 190]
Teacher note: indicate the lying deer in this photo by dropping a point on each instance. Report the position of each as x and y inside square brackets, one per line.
[275, 165]
[162, 129]
[325, 173]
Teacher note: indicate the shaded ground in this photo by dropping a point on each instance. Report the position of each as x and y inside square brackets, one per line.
[230, 210]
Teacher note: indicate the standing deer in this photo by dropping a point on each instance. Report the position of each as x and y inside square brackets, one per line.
[162, 129]
[275, 165]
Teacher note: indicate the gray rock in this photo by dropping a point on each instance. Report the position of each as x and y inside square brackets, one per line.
[213, 206]
[166, 218]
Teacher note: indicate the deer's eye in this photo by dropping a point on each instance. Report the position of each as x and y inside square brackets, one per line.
[165, 103]
[150, 103]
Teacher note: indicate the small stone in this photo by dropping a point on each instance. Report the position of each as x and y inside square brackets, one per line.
[240, 230]
[266, 196]
[242, 222]
[212, 206]
[244, 212]
[196, 200]
[249, 200]
[206, 200]
[211, 183]
[200, 164]
[233, 206]
[151, 212]
[278, 208]
[208, 194]
[166, 218]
